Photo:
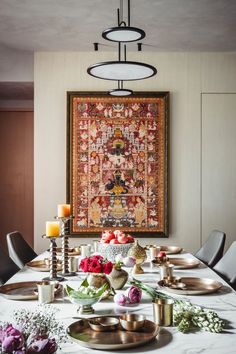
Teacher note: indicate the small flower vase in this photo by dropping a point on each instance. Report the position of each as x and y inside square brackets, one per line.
[139, 253]
[99, 279]
[118, 277]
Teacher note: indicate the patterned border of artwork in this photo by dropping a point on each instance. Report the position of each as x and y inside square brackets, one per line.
[117, 163]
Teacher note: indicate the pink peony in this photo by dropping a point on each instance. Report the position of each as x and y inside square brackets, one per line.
[134, 295]
[129, 261]
[121, 299]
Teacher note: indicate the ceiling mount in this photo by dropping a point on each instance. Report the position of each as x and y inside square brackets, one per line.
[123, 32]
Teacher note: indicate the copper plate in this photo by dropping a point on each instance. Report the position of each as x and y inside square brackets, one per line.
[22, 290]
[171, 249]
[81, 333]
[41, 266]
[72, 251]
[194, 286]
[184, 263]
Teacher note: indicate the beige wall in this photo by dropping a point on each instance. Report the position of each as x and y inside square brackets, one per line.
[185, 75]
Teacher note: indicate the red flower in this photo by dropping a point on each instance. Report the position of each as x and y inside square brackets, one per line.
[95, 266]
[107, 267]
[84, 264]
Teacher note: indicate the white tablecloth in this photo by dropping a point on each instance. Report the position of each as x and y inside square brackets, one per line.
[169, 339]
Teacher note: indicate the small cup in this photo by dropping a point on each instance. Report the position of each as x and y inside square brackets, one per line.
[85, 250]
[45, 292]
[154, 251]
[163, 312]
[73, 264]
[166, 271]
[95, 245]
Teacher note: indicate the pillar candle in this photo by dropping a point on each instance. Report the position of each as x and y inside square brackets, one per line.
[63, 210]
[52, 228]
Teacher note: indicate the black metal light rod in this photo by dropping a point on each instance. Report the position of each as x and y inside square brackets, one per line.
[125, 52]
[119, 49]
[139, 47]
[95, 46]
[128, 13]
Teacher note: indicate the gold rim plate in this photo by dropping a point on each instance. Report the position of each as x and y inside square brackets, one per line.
[41, 266]
[73, 251]
[193, 286]
[81, 333]
[22, 290]
[184, 263]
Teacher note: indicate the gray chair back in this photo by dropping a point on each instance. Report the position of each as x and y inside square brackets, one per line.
[7, 267]
[226, 267]
[19, 250]
[211, 252]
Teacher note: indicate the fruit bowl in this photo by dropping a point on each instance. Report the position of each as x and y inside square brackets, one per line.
[110, 251]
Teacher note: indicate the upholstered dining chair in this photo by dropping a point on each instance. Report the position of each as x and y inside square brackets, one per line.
[19, 250]
[212, 250]
[226, 267]
[7, 267]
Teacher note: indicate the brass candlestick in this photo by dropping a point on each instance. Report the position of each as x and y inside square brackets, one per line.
[65, 229]
[53, 259]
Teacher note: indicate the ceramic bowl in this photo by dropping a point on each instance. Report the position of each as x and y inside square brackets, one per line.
[110, 251]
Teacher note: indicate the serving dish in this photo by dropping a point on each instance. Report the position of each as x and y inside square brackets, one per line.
[22, 290]
[191, 286]
[181, 263]
[81, 333]
[42, 265]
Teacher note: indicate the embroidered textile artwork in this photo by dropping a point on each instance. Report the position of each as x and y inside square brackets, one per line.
[118, 163]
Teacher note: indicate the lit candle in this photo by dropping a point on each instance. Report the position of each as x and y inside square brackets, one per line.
[63, 210]
[52, 228]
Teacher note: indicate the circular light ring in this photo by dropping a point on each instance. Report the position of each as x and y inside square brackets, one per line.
[123, 34]
[120, 92]
[121, 70]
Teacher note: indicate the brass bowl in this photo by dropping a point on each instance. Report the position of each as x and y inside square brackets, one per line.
[103, 324]
[132, 322]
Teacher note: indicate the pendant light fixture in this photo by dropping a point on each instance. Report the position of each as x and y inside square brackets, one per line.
[122, 69]
[123, 32]
[120, 91]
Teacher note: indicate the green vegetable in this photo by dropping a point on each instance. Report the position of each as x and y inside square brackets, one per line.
[185, 315]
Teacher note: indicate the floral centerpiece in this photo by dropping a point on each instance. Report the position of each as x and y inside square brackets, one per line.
[35, 331]
[95, 287]
[113, 243]
[97, 268]
[96, 264]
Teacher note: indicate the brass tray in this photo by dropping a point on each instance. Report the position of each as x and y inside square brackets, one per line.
[81, 333]
[193, 286]
[183, 263]
[41, 266]
[171, 249]
[73, 251]
[21, 291]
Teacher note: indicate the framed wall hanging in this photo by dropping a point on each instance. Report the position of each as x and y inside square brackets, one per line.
[117, 163]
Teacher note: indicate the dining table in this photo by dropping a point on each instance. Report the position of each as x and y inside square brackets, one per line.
[169, 339]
